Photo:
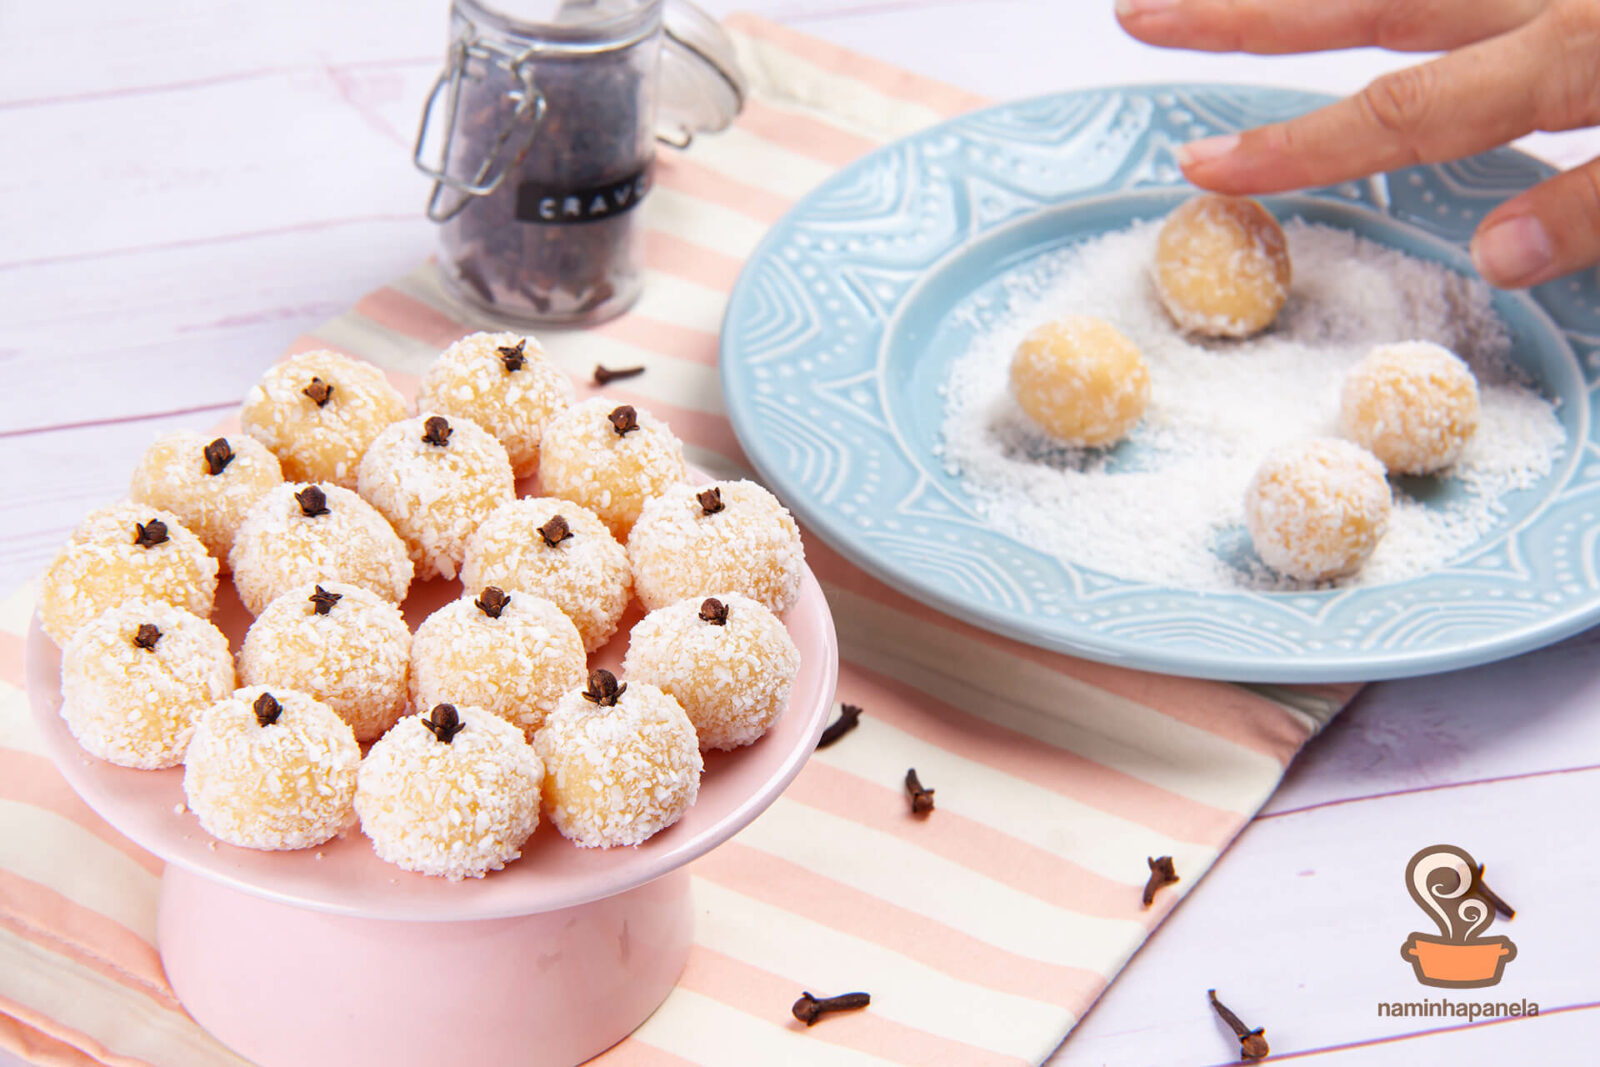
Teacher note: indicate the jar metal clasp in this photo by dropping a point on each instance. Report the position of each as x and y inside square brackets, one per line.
[509, 143]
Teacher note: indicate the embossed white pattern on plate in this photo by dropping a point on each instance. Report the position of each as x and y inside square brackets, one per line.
[839, 334]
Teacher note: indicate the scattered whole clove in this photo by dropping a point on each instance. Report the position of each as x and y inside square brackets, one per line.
[1480, 887]
[808, 1009]
[921, 799]
[604, 375]
[1162, 874]
[849, 715]
[1252, 1043]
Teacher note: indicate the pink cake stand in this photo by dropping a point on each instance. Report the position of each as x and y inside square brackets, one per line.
[331, 956]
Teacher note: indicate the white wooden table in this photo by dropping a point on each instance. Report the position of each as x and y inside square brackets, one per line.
[191, 184]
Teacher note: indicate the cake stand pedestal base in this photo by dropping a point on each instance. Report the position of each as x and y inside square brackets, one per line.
[286, 986]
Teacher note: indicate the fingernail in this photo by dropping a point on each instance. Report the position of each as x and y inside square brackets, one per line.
[1514, 251]
[1130, 8]
[1206, 150]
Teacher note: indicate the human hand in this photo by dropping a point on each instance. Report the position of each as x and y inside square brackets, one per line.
[1512, 66]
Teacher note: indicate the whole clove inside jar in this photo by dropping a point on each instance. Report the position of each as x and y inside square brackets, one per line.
[540, 135]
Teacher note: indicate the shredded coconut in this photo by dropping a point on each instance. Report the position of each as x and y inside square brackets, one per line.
[320, 442]
[1167, 505]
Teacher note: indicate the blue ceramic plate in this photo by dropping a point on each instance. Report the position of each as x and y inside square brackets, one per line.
[840, 332]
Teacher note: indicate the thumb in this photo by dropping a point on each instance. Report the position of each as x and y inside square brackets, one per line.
[1543, 233]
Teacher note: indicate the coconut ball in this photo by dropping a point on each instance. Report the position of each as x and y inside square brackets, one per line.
[621, 762]
[435, 479]
[1316, 509]
[502, 382]
[557, 550]
[339, 643]
[125, 552]
[316, 533]
[726, 659]
[695, 542]
[318, 411]
[1081, 381]
[271, 768]
[1222, 266]
[610, 458]
[511, 653]
[209, 484]
[1414, 405]
[455, 793]
[134, 679]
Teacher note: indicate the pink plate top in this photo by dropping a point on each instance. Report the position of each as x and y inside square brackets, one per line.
[345, 877]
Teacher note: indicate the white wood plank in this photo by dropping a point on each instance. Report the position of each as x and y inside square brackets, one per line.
[1299, 928]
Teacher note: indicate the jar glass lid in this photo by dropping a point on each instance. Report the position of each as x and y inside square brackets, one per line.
[702, 87]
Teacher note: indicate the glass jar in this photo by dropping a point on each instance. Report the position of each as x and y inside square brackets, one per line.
[547, 113]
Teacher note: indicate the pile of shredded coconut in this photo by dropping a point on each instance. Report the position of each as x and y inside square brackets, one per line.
[1166, 506]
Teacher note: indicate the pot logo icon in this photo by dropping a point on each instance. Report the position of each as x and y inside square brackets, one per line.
[1446, 884]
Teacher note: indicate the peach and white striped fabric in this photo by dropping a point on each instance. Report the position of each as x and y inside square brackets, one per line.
[983, 933]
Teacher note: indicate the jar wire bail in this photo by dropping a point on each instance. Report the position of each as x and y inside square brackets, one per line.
[514, 137]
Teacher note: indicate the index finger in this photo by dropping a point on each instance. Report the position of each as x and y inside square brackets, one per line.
[1464, 102]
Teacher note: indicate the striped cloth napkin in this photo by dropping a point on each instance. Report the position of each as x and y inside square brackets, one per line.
[983, 933]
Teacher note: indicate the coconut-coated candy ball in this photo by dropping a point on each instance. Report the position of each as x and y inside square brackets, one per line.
[1081, 381]
[316, 533]
[508, 652]
[1414, 405]
[125, 552]
[694, 541]
[271, 768]
[621, 762]
[502, 382]
[339, 643]
[1317, 509]
[610, 458]
[435, 479]
[209, 483]
[453, 793]
[726, 659]
[557, 550]
[318, 411]
[1222, 266]
[134, 679]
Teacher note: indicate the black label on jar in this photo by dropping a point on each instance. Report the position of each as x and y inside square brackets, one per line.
[547, 204]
